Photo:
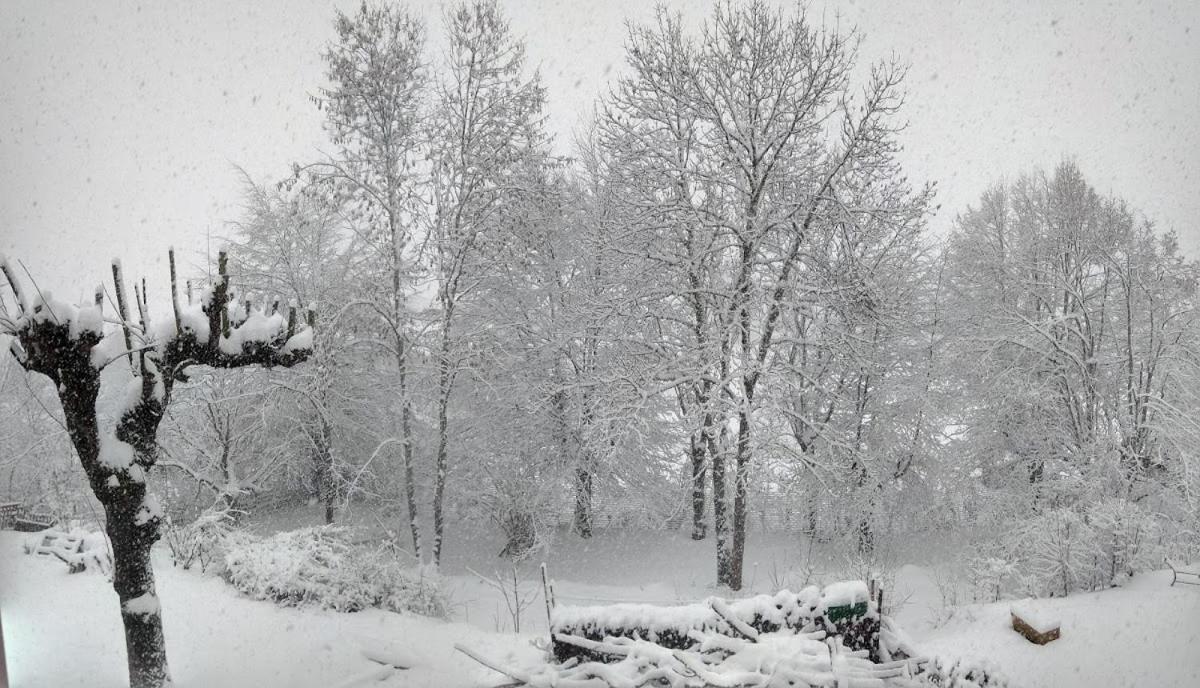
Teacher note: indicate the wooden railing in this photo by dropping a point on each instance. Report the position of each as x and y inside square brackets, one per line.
[16, 516]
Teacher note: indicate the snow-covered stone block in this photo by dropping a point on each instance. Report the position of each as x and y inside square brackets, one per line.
[1036, 624]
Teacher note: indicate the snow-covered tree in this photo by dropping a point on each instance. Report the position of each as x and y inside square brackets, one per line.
[373, 107]
[486, 144]
[738, 175]
[1076, 313]
[73, 345]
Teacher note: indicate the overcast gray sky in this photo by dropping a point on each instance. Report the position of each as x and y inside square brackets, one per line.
[121, 122]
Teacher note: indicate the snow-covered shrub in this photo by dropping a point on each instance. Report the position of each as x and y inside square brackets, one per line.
[1066, 550]
[990, 575]
[319, 566]
[1125, 541]
[199, 542]
[958, 673]
[1055, 553]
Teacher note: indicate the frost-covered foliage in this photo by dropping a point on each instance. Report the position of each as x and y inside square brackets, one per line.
[199, 542]
[320, 566]
[1066, 550]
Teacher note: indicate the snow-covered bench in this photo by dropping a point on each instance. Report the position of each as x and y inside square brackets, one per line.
[1179, 575]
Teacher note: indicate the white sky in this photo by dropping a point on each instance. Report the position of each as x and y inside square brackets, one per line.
[121, 123]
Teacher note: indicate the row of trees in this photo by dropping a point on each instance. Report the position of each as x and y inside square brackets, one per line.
[728, 294]
[730, 281]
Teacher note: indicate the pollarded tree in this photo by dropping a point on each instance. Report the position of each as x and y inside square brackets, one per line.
[72, 346]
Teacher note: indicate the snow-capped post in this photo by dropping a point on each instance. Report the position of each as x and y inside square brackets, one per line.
[69, 345]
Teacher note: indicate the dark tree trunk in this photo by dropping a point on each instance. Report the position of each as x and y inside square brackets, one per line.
[445, 381]
[583, 502]
[133, 579]
[410, 484]
[323, 457]
[740, 478]
[699, 469]
[720, 516]
[132, 526]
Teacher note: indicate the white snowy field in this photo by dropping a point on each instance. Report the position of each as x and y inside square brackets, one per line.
[64, 630]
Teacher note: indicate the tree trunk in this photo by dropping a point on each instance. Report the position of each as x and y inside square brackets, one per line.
[583, 502]
[445, 380]
[133, 579]
[131, 530]
[410, 485]
[699, 469]
[720, 517]
[740, 477]
[325, 476]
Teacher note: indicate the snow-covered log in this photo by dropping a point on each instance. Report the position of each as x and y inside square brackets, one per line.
[787, 640]
[842, 609]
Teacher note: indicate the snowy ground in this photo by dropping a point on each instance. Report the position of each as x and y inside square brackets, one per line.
[64, 630]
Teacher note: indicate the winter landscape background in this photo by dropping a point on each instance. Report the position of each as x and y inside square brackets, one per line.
[399, 301]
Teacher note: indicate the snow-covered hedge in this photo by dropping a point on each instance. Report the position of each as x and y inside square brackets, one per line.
[319, 566]
[1066, 550]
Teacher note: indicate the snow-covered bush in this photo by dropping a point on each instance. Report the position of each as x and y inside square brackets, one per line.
[199, 542]
[1126, 541]
[1056, 551]
[320, 566]
[990, 575]
[959, 673]
[1066, 550]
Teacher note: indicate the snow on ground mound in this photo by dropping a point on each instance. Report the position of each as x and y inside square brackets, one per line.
[64, 631]
[1145, 634]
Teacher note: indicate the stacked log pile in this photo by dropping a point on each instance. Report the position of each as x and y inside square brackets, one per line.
[826, 638]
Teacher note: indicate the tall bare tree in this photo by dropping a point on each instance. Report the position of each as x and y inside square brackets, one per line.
[738, 119]
[373, 107]
[486, 138]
